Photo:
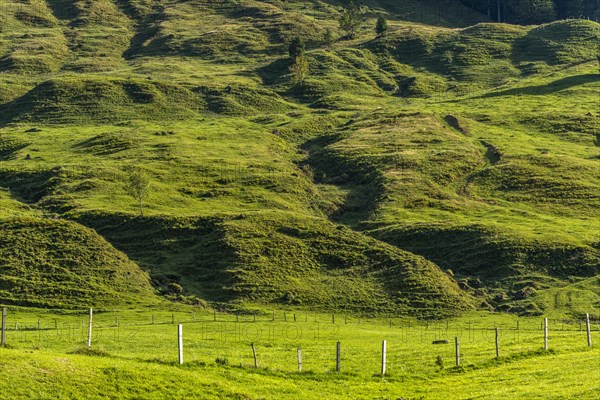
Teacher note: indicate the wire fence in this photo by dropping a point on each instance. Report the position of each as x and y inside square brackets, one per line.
[412, 346]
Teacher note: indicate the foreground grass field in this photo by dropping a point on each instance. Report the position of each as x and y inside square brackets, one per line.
[133, 358]
[46, 375]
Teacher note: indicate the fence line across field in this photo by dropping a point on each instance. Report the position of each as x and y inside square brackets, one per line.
[399, 323]
[229, 330]
[274, 315]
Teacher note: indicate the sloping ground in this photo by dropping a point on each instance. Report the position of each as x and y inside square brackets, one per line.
[47, 263]
[282, 258]
[97, 99]
[472, 148]
[498, 215]
[317, 263]
[235, 250]
[50, 262]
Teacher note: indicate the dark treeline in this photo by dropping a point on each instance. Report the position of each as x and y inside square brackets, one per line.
[536, 11]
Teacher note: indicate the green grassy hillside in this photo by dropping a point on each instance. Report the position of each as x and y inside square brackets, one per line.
[48, 262]
[447, 165]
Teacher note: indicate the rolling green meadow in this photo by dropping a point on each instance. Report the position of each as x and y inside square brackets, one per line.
[433, 181]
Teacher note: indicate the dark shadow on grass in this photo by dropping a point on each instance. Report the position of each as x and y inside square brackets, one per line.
[30, 186]
[550, 88]
[63, 9]
[362, 182]
[183, 251]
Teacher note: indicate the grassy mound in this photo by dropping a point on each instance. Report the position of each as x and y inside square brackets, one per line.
[300, 261]
[562, 42]
[75, 100]
[487, 54]
[35, 53]
[51, 263]
[281, 258]
[98, 99]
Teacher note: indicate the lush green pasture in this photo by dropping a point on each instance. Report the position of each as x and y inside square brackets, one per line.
[46, 375]
[448, 166]
[131, 355]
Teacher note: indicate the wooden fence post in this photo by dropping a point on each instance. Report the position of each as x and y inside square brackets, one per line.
[299, 359]
[497, 344]
[333, 318]
[457, 346]
[89, 340]
[180, 342]
[215, 315]
[545, 333]
[237, 316]
[4, 313]
[383, 357]
[254, 355]
[588, 329]
[338, 357]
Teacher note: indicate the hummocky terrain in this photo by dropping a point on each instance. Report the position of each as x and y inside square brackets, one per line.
[153, 148]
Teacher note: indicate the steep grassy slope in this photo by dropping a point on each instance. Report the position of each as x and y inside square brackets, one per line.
[236, 248]
[286, 259]
[53, 263]
[429, 170]
[433, 185]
